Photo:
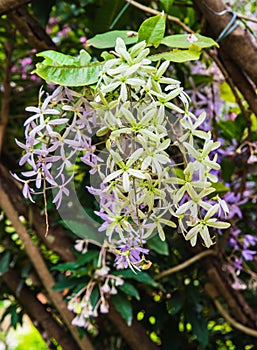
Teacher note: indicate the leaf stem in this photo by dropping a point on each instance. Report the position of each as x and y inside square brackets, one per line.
[155, 12]
[185, 264]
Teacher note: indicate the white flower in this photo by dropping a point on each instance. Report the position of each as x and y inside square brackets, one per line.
[190, 129]
[201, 226]
[104, 307]
[126, 171]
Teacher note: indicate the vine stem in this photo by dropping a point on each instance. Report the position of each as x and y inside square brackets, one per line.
[185, 264]
[155, 12]
[211, 290]
[44, 274]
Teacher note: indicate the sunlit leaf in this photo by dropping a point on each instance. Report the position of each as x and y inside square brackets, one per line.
[69, 75]
[177, 56]
[108, 39]
[152, 30]
[59, 59]
[220, 188]
[184, 41]
[58, 68]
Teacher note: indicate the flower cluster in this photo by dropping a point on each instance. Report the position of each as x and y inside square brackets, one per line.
[93, 298]
[159, 167]
[145, 114]
[241, 244]
[59, 128]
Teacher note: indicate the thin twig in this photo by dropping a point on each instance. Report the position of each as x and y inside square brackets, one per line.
[45, 208]
[185, 264]
[211, 290]
[155, 12]
[233, 322]
[246, 18]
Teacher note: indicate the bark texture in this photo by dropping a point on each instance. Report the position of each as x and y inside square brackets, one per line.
[29, 27]
[240, 46]
[37, 312]
[9, 5]
[40, 266]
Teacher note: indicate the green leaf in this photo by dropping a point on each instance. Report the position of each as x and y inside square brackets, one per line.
[220, 188]
[199, 328]
[14, 318]
[228, 129]
[129, 289]
[108, 40]
[124, 307]
[152, 30]
[174, 305]
[69, 75]
[82, 260]
[42, 10]
[84, 58]
[227, 168]
[178, 173]
[140, 276]
[66, 283]
[87, 229]
[184, 41]
[5, 262]
[58, 59]
[71, 266]
[87, 257]
[94, 296]
[160, 247]
[166, 5]
[177, 56]
[67, 70]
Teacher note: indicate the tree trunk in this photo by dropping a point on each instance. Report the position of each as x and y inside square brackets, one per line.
[240, 46]
[37, 312]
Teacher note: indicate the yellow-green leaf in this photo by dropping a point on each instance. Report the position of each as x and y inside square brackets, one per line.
[69, 75]
[184, 41]
[152, 30]
[108, 39]
[176, 56]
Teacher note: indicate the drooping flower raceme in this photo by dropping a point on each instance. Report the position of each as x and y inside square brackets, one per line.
[158, 170]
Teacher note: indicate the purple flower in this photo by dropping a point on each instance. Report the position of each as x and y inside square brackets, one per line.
[129, 256]
[249, 240]
[233, 201]
[238, 284]
[238, 264]
[26, 191]
[248, 254]
[62, 190]
[28, 157]
[83, 39]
